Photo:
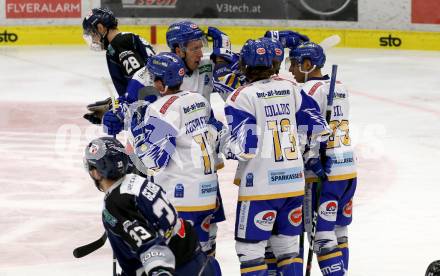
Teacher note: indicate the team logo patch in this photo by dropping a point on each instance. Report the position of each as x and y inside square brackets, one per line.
[250, 180]
[264, 220]
[193, 26]
[260, 51]
[93, 149]
[328, 210]
[278, 51]
[348, 209]
[295, 216]
[206, 223]
[181, 72]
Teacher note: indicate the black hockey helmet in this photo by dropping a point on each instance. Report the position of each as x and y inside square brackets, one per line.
[433, 269]
[106, 155]
[96, 16]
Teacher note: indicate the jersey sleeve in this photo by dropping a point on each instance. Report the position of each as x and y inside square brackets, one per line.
[123, 221]
[242, 127]
[311, 124]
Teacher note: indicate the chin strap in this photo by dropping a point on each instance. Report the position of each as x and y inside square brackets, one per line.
[306, 73]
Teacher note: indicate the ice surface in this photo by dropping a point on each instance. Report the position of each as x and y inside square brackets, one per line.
[49, 205]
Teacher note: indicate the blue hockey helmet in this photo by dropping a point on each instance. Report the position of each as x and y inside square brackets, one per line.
[308, 50]
[180, 33]
[275, 46]
[257, 53]
[167, 67]
[107, 156]
[96, 16]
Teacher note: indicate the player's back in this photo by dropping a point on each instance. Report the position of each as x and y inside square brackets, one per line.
[188, 177]
[339, 146]
[276, 170]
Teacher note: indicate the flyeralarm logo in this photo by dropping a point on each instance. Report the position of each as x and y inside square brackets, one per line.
[43, 8]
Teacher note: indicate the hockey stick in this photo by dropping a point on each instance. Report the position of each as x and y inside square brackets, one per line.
[330, 42]
[328, 114]
[85, 250]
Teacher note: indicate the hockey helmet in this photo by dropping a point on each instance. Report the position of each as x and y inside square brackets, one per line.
[308, 50]
[257, 53]
[167, 67]
[107, 156]
[96, 16]
[180, 33]
[276, 47]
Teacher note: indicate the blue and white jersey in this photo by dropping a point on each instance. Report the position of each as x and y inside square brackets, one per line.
[200, 80]
[339, 146]
[178, 149]
[263, 121]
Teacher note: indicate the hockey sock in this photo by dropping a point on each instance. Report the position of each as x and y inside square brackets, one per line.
[254, 268]
[290, 266]
[343, 247]
[271, 262]
[331, 263]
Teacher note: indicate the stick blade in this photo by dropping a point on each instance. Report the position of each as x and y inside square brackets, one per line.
[330, 42]
[85, 250]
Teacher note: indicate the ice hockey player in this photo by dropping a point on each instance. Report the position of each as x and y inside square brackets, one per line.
[177, 145]
[146, 236]
[262, 121]
[339, 185]
[187, 40]
[125, 53]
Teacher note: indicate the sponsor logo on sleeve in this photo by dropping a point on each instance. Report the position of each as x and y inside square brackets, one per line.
[179, 191]
[264, 220]
[109, 218]
[327, 210]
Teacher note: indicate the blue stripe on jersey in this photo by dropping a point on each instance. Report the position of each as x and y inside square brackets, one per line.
[243, 128]
[160, 139]
[309, 118]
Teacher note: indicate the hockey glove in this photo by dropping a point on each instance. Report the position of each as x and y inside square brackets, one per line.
[289, 39]
[321, 169]
[113, 121]
[97, 110]
[221, 45]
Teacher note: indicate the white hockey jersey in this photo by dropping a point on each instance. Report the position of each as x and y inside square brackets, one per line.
[178, 148]
[200, 80]
[262, 122]
[339, 143]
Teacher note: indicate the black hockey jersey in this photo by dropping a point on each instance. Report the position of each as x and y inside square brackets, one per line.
[126, 54]
[143, 227]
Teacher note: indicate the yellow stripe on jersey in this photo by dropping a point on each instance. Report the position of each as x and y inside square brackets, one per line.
[252, 269]
[310, 180]
[195, 208]
[342, 177]
[329, 256]
[343, 245]
[230, 80]
[272, 196]
[289, 261]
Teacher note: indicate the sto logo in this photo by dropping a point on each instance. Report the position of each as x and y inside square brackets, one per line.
[328, 209]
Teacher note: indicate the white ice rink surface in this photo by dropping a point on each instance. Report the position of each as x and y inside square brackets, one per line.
[48, 204]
